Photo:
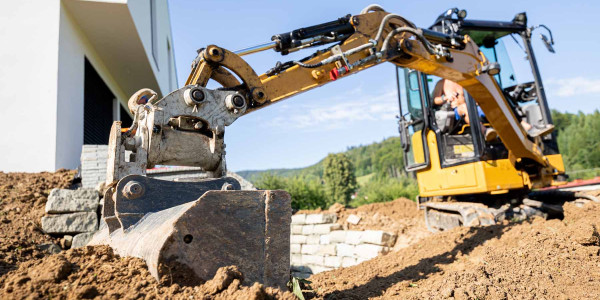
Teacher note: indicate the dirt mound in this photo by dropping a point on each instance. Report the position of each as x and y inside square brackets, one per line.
[528, 260]
[23, 197]
[29, 271]
[399, 216]
[91, 272]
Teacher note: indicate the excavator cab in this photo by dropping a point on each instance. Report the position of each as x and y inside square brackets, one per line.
[452, 158]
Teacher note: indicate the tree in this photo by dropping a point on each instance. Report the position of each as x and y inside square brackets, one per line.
[339, 178]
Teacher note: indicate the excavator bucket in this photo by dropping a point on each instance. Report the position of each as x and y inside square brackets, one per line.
[185, 231]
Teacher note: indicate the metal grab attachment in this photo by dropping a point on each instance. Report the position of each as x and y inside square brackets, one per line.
[185, 128]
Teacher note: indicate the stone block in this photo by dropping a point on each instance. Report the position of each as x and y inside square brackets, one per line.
[353, 219]
[66, 201]
[353, 237]
[348, 261]
[299, 219]
[312, 259]
[361, 259]
[296, 229]
[307, 229]
[70, 223]
[49, 248]
[296, 259]
[378, 237]
[310, 249]
[324, 239]
[295, 248]
[325, 228]
[338, 236]
[82, 239]
[368, 251]
[319, 268]
[313, 239]
[320, 218]
[298, 239]
[333, 261]
[345, 250]
[327, 250]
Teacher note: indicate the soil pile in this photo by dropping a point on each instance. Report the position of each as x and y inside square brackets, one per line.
[23, 197]
[27, 270]
[548, 259]
[551, 259]
[96, 272]
[399, 216]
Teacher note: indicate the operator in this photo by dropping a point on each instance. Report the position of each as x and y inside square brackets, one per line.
[449, 91]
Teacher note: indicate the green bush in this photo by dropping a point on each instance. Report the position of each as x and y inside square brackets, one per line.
[382, 189]
[305, 193]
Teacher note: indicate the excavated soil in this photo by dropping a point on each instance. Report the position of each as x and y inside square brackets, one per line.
[400, 216]
[23, 197]
[27, 271]
[536, 259]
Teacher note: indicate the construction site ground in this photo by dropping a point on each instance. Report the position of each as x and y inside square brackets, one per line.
[535, 259]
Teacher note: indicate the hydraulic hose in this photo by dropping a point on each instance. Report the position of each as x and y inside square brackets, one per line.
[418, 33]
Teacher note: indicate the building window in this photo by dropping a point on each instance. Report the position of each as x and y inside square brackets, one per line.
[154, 31]
[98, 107]
[170, 67]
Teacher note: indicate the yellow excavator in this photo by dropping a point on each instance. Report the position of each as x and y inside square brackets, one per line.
[464, 178]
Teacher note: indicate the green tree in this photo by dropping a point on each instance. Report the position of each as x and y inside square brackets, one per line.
[339, 178]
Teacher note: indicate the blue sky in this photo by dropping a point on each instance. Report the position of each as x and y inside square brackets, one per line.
[361, 109]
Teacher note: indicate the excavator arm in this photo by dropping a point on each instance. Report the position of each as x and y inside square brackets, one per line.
[373, 37]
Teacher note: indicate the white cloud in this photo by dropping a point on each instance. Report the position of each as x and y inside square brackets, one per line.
[341, 111]
[567, 87]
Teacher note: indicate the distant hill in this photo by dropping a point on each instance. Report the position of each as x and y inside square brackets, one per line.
[384, 156]
[578, 139]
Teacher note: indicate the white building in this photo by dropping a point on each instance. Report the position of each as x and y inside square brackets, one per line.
[67, 69]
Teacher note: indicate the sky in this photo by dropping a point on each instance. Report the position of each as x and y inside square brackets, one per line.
[361, 109]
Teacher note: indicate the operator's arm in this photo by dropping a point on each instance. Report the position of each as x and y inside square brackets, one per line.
[438, 95]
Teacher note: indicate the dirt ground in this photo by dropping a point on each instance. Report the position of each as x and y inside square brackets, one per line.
[536, 259]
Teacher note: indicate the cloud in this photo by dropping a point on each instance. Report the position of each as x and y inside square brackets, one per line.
[567, 87]
[340, 111]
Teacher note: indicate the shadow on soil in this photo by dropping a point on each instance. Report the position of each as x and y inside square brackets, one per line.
[375, 288]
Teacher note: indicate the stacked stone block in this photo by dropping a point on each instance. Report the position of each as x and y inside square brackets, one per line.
[93, 165]
[72, 213]
[319, 244]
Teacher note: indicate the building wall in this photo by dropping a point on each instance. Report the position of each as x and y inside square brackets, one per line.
[42, 78]
[141, 13]
[29, 59]
[74, 47]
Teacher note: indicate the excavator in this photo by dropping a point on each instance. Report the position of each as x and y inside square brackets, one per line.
[186, 230]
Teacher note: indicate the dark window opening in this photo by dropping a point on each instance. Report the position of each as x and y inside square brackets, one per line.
[154, 31]
[97, 107]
